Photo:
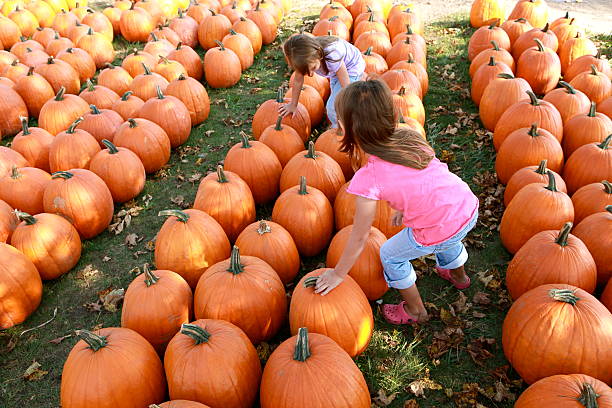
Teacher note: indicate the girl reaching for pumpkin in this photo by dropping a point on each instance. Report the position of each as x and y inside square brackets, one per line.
[331, 57]
[436, 207]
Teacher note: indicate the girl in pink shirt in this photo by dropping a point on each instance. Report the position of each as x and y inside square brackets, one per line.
[436, 207]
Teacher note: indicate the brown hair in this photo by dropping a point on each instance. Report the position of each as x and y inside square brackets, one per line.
[302, 49]
[365, 109]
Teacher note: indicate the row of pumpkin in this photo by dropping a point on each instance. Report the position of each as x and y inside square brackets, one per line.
[553, 272]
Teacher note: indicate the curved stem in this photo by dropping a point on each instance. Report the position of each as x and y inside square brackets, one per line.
[552, 182]
[302, 189]
[607, 186]
[147, 71]
[197, 333]
[542, 167]
[220, 44]
[505, 76]
[409, 29]
[491, 61]
[109, 65]
[311, 153]
[15, 174]
[221, 177]
[153, 36]
[564, 234]
[302, 348]
[539, 44]
[494, 23]
[278, 127]
[181, 215]
[160, 94]
[235, 266]
[368, 51]
[179, 45]
[564, 295]
[495, 46]
[245, 140]
[594, 70]
[59, 96]
[30, 71]
[533, 131]
[90, 86]
[73, 126]
[533, 98]
[94, 341]
[280, 95]
[112, 149]
[606, 142]
[588, 396]
[94, 110]
[132, 123]
[126, 95]
[570, 89]
[545, 29]
[592, 110]
[24, 216]
[263, 227]
[62, 174]
[150, 277]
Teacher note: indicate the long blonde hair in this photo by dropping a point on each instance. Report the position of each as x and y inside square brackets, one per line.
[302, 49]
[365, 109]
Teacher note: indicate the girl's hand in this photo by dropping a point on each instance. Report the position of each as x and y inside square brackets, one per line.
[328, 281]
[287, 109]
[398, 219]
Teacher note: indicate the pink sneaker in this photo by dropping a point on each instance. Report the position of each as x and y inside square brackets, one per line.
[396, 314]
[446, 275]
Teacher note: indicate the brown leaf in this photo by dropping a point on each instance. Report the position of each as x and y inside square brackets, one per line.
[481, 298]
[460, 305]
[382, 399]
[112, 299]
[478, 315]
[131, 240]
[443, 341]
[478, 349]
[106, 258]
[502, 392]
[180, 201]
[418, 387]
[467, 397]
[449, 318]
[33, 372]
[412, 403]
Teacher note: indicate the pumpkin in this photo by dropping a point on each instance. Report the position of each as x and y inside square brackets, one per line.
[593, 230]
[186, 29]
[273, 244]
[561, 20]
[402, 78]
[588, 164]
[594, 84]
[583, 64]
[169, 69]
[534, 11]
[533, 209]
[241, 45]
[267, 111]
[189, 242]
[135, 62]
[164, 32]
[311, 234]
[412, 124]
[101, 124]
[404, 50]
[113, 348]
[153, 8]
[358, 7]
[574, 48]
[417, 69]
[222, 67]
[9, 32]
[128, 105]
[375, 63]
[228, 199]
[189, 59]
[257, 165]
[370, 23]
[170, 114]
[547, 38]
[12, 107]
[81, 61]
[43, 36]
[568, 321]
[284, 141]
[147, 139]
[99, 47]
[483, 12]
[501, 93]
[8, 222]
[415, 38]
[198, 11]
[481, 39]
[605, 107]
[606, 295]
[329, 142]
[179, 404]
[332, 26]
[551, 257]
[23, 287]
[23, 189]
[484, 57]
[155, 306]
[272, 8]
[248, 28]
[583, 128]
[32, 58]
[49, 241]
[99, 95]
[398, 22]
[114, 16]
[564, 390]
[377, 41]
[59, 113]
[587, 200]
[266, 23]
[318, 82]
[327, 314]
[484, 75]
[300, 362]
[528, 175]
[333, 9]
[60, 74]
[121, 170]
[63, 22]
[115, 78]
[72, 149]
[193, 95]
[145, 85]
[158, 46]
[10, 158]
[409, 105]
[15, 70]
[567, 31]
[212, 29]
[58, 44]
[33, 144]
[312, 101]
[540, 67]
[524, 113]
[77, 31]
[568, 101]
[212, 343]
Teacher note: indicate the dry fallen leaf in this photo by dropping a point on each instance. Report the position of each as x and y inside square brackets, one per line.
[478, 349]
[382, 399]
[131, 240]
[412, 403]
[33, 372]
[481, 298]
[418, 387]
[112, 299]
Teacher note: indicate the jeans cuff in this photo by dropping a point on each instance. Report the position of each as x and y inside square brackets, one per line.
[459, 261]
[403, 283]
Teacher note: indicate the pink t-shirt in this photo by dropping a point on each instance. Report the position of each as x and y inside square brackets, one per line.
[436, 203]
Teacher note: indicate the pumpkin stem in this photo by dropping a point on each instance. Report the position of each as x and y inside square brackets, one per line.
[311, 281]
[94, 109]
[608, 208]
[90, 31]
[539, 44]
[179, 45]
[570, 89]
[181, 215]
[334, 18]
[70, 50]
[74, 124]
[245, 140]
[588, 396]
[59, 96]
[160, 94]
[147, 71]
[24, 125]
[495, 46]
[126, 95]
[592, 110]
[280, 95]
[182, 77]
[533, 98]
[329, 33]
[235, 266]
[407, 40]
[62, 174]
[279, 121]
[311, 154]
[221, 177]
[505, 76]
[109, 65]
[552, 182]
[545, 29]
[94, 341]
[368, 51]
[302, 190]
[606, 142]
[30, 71]
[90, 86]
[520, 20]
[220, 44]
[491, 61]
[494, 23]
[197, 333]
[232, 32]
[150, 277]
[542, 167]
[594, 70]
[302, 349]
[153, 36]
[607, 186]
[410, 59]
[132, 122]
[24, 216]
[112, 149]
[263, 228]
[564, 295]
[533, 131]
[409, 29]
[15, 174]
[564, 234]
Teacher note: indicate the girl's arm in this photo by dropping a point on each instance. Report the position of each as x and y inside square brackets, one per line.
[291, 107]
[343, 76]
[364, 215]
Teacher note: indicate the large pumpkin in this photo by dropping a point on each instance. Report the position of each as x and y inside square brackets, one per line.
[22, 287]
[266, 23]
[566, 390]
[80, 60]
[568, 101]
[189, 59]
[533, 209]
[528, 175]
[499, 95]
[58, 113]
[35, 90]
[81, 197]
[147, 139]
[228, 199]
[584, 128]
[267, 113]
[99, 95]
[156, 304]
[23, 188]
[540, 66]
[550, 323]
[300, 362]
[481, 39]
[128, 106]
[101, 123]
[193, 95]
[129, 371]
[594, 231]
[72, 149]
[484, 75]
[483, 12]
[284, 141]
[329, 142]
[60, 74]
[10, 158]
[190, 242]
[205, 344]
[594, 84]
[583, 64]
[306, 213]
[145, 85]
[574, 48]
[33, 144]
[551, 257]
[222, 67]
[344, 314]
[484, 56]
[534, 11]
[546, 37]
[588, 164]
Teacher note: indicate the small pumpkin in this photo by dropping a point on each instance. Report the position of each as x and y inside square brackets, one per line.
[375, 63]
[564, 390]
[58, 44]
[568, 101]
[14, 70]
[333, 9]
[169, 69]
[33, 144]
[193, 95]
[80, 60]
[10, 158]
[594, 84]
[222, 67]
[115, 78]
[267, 111]
[101, 123]
[589, 163]
[528, 175]
[329, 142]
[212, 29]
[583, 64]
[128, 105]
[332, 26]
[72, 149]
[147, 139]
[189, 59]
[408, 33]
[251, 31]
[35, 90]
[135, 24]
[266, 23]
[99, 95]
[23, 189]
[186, 28]
[534, 11]
[312, 101]
[198, 11]
[547, 38]
[501, 93]
[398, 22]
[164, 32]
[133, 63]
[593, 230]
[567, 31]
[377, 41]
[403, 50]
[98, 46]
[586, 128]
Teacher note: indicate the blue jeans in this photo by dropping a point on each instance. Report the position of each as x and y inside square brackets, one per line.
[335, 88]
[397, 252]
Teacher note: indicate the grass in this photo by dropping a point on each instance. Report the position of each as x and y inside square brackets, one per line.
[400, 363]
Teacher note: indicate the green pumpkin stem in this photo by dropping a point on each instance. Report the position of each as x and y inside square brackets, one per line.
[542, 167]
[62, 174]
[409, 29]
[90, 31]
[232, 32]
[505, 76]
[197, 333]
[493, 24]
[90, 86]
[263, 227]
[15, 174]
[533, 99]
[539, 44]
[492, 61]
[334, 18]
[533, 131]
[50, 60]
[302, 189]
[311, 153]
[94, 341]
[552, 182]
[608, 208]
[606, 142]
[311, 281]
[570, 89]
[160, 94]
[302, 349]
[564, 295]
[592, 109]
[594, 70]
[279, 122]
[564, 234]
[73, 126]
[112, 149]
[607, 186]
[154, 37]
[220, 44]
[588, 396]
[147, 71]
[30, 71]
[59, 96]
[24, 216]
[181, 215]
[235, 266]
[221, 177]
[94, 109]
[495, 46]
[280, 95]
[244, 138]
[126, 95]
[24, 125]
[150, 277]
[179, 45]
[132, 123]
[368, 51]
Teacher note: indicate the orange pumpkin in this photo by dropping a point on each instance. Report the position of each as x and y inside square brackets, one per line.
[186, 28]
[59, 113]
[329, 142]
[128, 105]
[588, 164]
[98, 46]
[594, 84]
[189, 59]
[72, 149]
[559, 390]
[481, 39]
[145, 85]
[583, 64]
[268, 111]
[147, 139]
[375, 63]
[547, 38]
[10, 158]
[501, 93]
[574, 48]
[266, 23]
[528, 175]
[35, 90]
[169, 69]
[587, 200]
[586, 128]
[484, 75]
[99, 95]
[33, 144]
[80, 60]
[312, 101]
[251, 31]
[540, 66]
[594, 232]
[23, 189]
[417, 69]
[8, 222]
[115, 78]
[60, 74]
[101, 124]
[534, 11]
[222, 67]
[568, 101]
[377, 41]
[135, 62]
[483, 12]
[193, 95]
[135, 24]
[212, 29]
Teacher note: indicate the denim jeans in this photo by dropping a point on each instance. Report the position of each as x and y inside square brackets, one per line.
[397, 252]
[335, 88]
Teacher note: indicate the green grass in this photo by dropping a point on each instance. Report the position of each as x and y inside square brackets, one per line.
[396, 357]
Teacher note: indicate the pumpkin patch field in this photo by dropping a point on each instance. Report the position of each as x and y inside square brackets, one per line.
[162, 227]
